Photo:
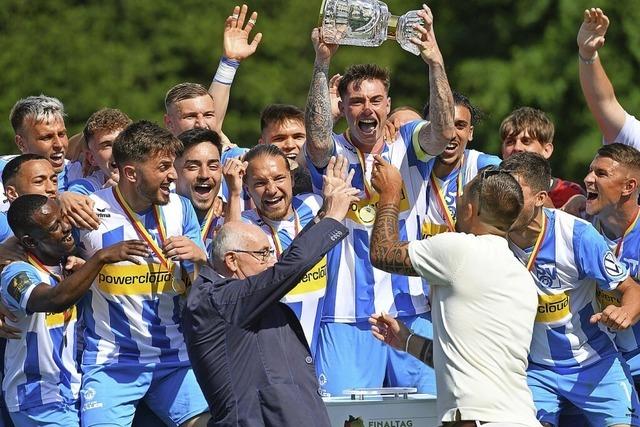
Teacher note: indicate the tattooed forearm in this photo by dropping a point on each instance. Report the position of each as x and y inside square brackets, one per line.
[386, 252]
[317, 118]
[435, 138]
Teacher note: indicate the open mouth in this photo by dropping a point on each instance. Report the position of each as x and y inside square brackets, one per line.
[367, 125]
[67, 239]
[165, 189]
[203, 190]
[591, 195]
[451, 147]
[57, 158]
[272, 202]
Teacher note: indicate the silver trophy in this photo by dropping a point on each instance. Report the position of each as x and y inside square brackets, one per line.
[367, 23]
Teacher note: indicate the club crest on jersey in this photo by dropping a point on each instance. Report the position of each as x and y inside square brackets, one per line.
[547, 276]
[612, 267]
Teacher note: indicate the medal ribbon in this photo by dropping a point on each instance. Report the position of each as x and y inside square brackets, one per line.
[276, 239]
[538, 245]
[631, 226]
[208, 223]
[440, 197]
[34, 261]
[142, 231]
[367, 187]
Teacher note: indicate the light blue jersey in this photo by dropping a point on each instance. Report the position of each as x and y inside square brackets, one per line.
[132, 312]
[89, 184]
[355, 289]
[573, 260]
[307, 298]
[41, 368]
[627, 249]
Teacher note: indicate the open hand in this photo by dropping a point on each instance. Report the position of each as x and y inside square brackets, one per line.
[236, 38]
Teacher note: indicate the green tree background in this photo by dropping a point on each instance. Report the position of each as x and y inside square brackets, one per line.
[126, 54]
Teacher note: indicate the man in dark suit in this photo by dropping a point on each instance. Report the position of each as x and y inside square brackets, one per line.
[247, 349]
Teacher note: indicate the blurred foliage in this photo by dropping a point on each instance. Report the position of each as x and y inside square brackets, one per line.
[126, 54]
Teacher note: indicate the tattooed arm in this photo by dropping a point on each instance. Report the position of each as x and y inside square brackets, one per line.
[387, 253]
[434, 137]
[318, 116]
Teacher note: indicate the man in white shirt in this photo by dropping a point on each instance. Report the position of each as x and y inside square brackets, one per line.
[483, 300]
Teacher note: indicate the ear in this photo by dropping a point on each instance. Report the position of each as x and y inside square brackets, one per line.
[471, 133]
[11, 193]
[129, 172]
[231, 262]
[167, 122]
[28, 242]
[388, 105]
[466, 211]
[20, 143]
[547, 150]
[260, 141]
[540, 198]
[88, 156]
[630, 186]
[341, 106]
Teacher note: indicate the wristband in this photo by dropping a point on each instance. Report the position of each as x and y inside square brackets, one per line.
[226, 70]
[406, 345]
[588, 61]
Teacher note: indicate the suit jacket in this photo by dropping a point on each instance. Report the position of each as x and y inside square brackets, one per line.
[248, 350]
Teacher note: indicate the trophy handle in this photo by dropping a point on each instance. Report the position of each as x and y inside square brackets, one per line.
[321, 14]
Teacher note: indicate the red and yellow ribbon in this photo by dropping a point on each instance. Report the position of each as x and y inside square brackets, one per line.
[631, 226]
[276, 239]
[440, 196]
[538, 245]
[141, 229]
[208, 224]
[39, 265]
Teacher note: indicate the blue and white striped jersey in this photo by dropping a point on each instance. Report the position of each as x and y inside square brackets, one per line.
[434, 221]
[355, 289]
[573, 260]
[132, 313]
[40, 368]
[628, 252]
[89, 184]
[307, 298]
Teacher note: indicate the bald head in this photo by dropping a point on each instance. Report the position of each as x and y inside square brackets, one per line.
[238, 236]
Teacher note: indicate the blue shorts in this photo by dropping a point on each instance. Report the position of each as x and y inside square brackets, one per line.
[110, 393]
[348, 356]
[603, 392]
[55, 414]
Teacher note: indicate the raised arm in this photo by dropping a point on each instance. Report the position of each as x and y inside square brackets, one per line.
[387, 252]
[441, 129]
[236, 48]
[55, 299]
[318, 117]
[596, 86]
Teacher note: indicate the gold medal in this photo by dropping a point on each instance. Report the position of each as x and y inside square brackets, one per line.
[178, 286]
[367, 214]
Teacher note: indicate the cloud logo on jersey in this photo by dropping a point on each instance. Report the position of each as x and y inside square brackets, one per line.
[547, 276]
[145, 279]
[614, 269]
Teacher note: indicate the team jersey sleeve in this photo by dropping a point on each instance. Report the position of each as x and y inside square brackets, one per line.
[5, 230]
[82, 186]
[190, 229]
[629, 134]
[485, 160]
[17, 281]
[432, 257]
[594, 259]
[410, 133]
